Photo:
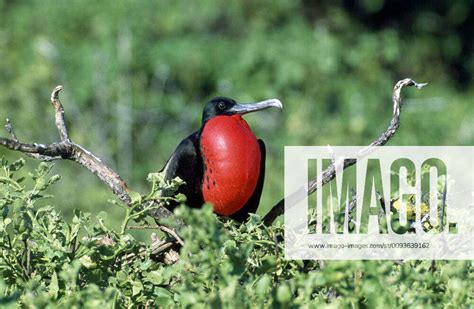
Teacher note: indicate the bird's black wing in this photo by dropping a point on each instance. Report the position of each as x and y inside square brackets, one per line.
[186, 163]
[252, 204]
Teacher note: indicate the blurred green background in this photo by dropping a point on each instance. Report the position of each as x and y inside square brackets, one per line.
[136, 75]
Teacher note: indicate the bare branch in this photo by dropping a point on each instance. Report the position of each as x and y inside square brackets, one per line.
[163, 228]
[67, 150]
[329, 174]
[11, 131]
[173, 233]
[9, 128]
[59, 114]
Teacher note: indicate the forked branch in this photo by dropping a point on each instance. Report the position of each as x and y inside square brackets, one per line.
[65, 149]
[329, 174]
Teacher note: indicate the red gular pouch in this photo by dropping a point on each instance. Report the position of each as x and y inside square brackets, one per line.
[231, 157]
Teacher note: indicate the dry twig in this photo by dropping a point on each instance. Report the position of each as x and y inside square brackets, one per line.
[329, 174]
[65, 149]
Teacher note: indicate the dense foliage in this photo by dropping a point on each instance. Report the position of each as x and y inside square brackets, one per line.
[136, 75]
[47, 261]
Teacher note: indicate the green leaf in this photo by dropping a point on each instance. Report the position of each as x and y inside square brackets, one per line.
[43, 169]
[135, 197]
[87, 262]
[155, 177]
[263, 284]
[54, 286]
[137, 288]
[154, 277]
[54, 179]
[163, 297]
[41, 184]
[102, 215]
[181, 198]
[283, 293]
[18, 164]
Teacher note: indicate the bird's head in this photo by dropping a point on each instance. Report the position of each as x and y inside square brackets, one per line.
[229, 107]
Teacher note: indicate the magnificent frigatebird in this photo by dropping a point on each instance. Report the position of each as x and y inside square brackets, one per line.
[223, 163]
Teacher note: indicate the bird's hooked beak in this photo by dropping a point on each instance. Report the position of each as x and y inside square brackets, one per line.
[241, 109]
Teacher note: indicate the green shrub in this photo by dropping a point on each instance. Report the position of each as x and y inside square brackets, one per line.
[48, 262]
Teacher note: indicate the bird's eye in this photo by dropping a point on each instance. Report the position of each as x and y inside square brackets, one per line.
[221, 106]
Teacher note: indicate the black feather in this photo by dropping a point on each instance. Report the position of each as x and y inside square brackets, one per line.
[186, 163]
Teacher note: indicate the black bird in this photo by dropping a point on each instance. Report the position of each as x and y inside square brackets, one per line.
[222, 163]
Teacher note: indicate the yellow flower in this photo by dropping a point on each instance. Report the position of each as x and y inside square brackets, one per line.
[410, 208]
